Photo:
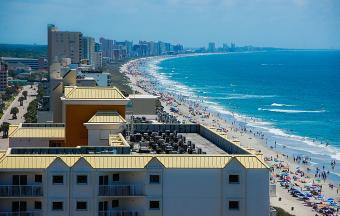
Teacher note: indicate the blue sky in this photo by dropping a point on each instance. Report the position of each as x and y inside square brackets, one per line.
[277, 23]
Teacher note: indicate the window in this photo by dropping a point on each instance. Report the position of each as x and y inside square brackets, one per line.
[115, 177]
[234, 179]
[154, 204]
[19, 206]
[19, 179]
[103, 180]
[234, 205]
[82, 205]
[154, 179]
[57, 206]
[81, 179]
[115, 203]
[58, 179]
[37, 205]
[38, 178]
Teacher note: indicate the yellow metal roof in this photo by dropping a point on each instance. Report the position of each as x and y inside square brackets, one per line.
[2, 153]
[117, 140]
[118, 161]
[12, 128]
[38, 132]
[70, 160]
[107, 117]
[206, 161]
[26, 162]
[130, 161]
[77, 92]
[251, 162]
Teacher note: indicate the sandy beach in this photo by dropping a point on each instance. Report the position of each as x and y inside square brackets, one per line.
[296, 171]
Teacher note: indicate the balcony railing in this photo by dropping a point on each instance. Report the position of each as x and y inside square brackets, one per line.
[21, 191]
[120, 190]
[26, 213]
[120, 213]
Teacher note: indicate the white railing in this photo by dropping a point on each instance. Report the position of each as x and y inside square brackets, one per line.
[21, 190]
[26, 213]
[120, 190]
[120, 213]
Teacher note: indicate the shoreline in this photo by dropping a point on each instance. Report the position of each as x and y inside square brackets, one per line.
[140, 83]
[283, 141]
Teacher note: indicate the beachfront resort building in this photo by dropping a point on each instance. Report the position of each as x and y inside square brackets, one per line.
[86, 165]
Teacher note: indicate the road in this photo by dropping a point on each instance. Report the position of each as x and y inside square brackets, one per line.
[7, 117]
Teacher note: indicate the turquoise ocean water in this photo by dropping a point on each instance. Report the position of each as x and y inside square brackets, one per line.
[293, 97]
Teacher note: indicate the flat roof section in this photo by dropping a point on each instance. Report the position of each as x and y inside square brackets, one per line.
[203, 143]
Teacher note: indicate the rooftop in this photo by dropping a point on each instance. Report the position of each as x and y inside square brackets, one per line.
[95, 93]
[117, 140]
[131, 161]
[56, 131]
[107, 117]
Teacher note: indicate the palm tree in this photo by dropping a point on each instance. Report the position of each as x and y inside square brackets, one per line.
[4, 129]
[14, 112]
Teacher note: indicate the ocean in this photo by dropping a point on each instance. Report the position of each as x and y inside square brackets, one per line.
[293, 97]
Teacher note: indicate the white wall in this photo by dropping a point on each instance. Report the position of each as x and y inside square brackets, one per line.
[192, 192]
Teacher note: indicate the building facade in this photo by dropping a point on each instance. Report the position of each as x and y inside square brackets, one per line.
[106, 47]
[88, 47]
[3, 76]
[139, 185]
[64, 44]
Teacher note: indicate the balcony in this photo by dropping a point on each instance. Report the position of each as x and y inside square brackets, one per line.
[21, 191]
[120, 190]
[26, 213]
[120, 213]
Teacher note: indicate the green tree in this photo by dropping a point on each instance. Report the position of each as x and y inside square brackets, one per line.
[14, 112]
[24, 93]
[4, 128]
[31, 115]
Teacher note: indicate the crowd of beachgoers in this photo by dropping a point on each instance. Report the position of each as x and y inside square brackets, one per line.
[300, 188]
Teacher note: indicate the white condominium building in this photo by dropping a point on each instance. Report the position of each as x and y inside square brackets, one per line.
[133, 185]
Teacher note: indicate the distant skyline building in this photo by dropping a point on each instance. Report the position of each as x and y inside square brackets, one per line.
[107, 47]
[3, 76]
[88, 47]
[125, 45]
[211, 47]
[64, 44]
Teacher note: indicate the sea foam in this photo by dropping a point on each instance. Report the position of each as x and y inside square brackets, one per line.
[291, 111]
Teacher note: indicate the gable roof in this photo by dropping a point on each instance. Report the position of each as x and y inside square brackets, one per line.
[107, 117]
[17, 131]
[130, 161]
[98, 93]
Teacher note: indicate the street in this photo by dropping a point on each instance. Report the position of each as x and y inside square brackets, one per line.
[7, 117]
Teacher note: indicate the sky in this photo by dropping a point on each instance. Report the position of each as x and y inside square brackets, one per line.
[271, 23]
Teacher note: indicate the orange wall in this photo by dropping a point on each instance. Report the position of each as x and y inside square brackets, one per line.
[77, 115]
